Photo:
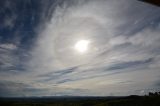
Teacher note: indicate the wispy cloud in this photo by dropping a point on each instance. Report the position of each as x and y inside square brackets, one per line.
[8, 46]
[123, 57]
[7, 57]
[123, 41]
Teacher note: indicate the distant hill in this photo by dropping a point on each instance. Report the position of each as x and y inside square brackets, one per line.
[152, 99]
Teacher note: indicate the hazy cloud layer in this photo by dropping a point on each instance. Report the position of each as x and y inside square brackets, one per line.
[123, 56]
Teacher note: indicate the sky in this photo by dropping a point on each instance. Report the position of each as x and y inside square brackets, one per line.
[79, 48]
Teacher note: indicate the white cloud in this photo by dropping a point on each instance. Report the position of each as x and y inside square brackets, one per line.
[9, 46]
[106, 24]
[115, 31]
[8, 59]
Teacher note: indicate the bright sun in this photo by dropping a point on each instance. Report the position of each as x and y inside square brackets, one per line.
[82, 46]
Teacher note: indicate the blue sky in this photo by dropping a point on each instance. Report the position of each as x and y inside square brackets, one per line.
[38, 55]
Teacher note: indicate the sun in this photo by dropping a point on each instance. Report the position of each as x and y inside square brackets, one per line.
[82, 46]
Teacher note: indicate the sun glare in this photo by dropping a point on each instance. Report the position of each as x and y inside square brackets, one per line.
[81, 46]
